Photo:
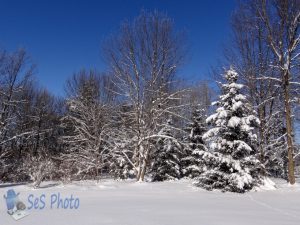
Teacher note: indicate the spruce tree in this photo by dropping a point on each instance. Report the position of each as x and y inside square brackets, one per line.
[166, 165]
[232, 161]
[192, 162]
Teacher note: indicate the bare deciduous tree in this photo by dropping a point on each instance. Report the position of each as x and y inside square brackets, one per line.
[266, 54]
[144, 57]
[282, 21]
[86, 124]
[15, 74]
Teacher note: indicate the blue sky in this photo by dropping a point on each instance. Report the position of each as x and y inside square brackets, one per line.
[64, 36]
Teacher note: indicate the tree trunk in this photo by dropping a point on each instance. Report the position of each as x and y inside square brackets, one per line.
[144, 166]
[262, 142]
[143, 171]
[288, 118]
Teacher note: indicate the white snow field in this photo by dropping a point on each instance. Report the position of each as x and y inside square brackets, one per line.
[166, 203]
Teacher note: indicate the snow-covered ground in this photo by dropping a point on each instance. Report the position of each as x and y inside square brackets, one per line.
[166, 203]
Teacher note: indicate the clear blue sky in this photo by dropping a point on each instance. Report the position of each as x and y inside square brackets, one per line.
[65, 36]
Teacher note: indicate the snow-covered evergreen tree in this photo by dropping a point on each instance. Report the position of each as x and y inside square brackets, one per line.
[233, 165]
[166, 161]
[192, 163]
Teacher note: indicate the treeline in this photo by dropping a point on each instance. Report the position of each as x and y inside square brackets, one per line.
[108, 123]
[141, 120]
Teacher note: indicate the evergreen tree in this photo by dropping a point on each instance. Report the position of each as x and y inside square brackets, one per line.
[166, 165]
[193, 164]
[233, 165]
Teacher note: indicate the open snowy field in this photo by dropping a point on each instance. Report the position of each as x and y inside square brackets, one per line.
[166, 203]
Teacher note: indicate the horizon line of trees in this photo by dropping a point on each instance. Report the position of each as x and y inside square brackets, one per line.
[141, 120]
